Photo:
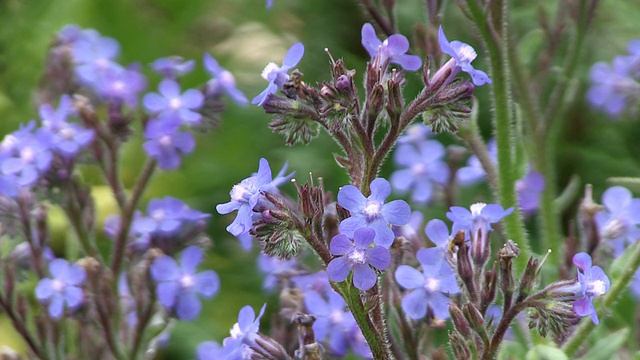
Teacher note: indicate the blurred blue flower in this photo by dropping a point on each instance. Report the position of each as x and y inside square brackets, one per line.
[438, 233]
[66, 138]
[393, 49]
[120, 86]
[474, 172]
[529, 190]
[461, 57]
[421, 166]
[359, 257]
[478, 219]
[415, 134]
[63, 287]
[431, 287]
[173, 67]
[25, 155]
[166, 143]
[222, 80]
[618, 221]
[167, 215]
[247, 194]
[178, 286]
[372, 212]
[274, 268]
[211, 350]
[171, 104]
[593, 282]
[94, 55]
[278, 75]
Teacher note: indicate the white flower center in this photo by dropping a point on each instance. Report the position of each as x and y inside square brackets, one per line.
[432, 285]
[418, 169]
[614, 229]
[187, 281]
[58, 286]
[227, 78]
[476, 209]
[165, 141]
[67, 133]
[175, 103]
[596, 288]
[371, 209]
[118, 86]
[271, 67]
[337, 316]
[240, 192]
[235, 331]
[27, 154]
[158, 215]
[357, 257]
[466, 53]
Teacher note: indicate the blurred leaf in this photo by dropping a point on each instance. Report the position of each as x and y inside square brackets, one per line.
[545, 352]
[608, 346]
[631, 183]
[511, 350]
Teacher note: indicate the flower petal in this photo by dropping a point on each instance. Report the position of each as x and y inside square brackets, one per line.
[408, 277]
[207, 283]
[350, 198]
[414, 304]
[340, 245]
[364, 278]
[338, 269]
[188, 305]
[379, 257]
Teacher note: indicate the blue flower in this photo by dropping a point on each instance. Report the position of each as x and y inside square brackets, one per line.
[415, 134]
[462, 55]
[211, 350]
[474, 172]
[247, 194]
[172, 67]
[392, 49]
[119, 86]
[66, 138]
[243, 333]
[372, 212]
[438, 233]
[222, 80]
[529, 190]
[274, 269]
[277, 75]
[359, 256]
[421, 165]
[431, 287]
[178, 286]
[618, 221]
[94, 54]
[166, 143]
[172, 104]
[593, 282]
[25, 155]
[63, 287]
[167, 216]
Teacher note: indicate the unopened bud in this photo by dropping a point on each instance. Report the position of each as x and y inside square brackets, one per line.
[461, 324]
[473, 316]
[459, 346]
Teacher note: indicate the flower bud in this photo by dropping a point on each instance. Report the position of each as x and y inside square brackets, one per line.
[459, 346]
[461, 324]
[473, 316]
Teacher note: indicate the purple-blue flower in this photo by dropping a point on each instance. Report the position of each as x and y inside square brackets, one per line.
[120, 86]
[243, 333]
[333, 321]
[247, 194]
[278, 75]
[358, 256]
[415, 134]
[178, 286]
[618, 221]
[167, 216]
[94, 54]
[66, 138]
[431, 287]
[170, 103]
[421, 166]
[166, 143]
[223, 80]
[593, 282]
[393, 49]
[478, 219]
[474, 172]
[372, 212]
[461, 57]
[274, 269]
[64, 287]
[25, 155]
[438, 233]
[211, 350]
[529, 190]
[173, 67]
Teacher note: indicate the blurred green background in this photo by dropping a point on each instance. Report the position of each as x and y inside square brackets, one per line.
[244, 37]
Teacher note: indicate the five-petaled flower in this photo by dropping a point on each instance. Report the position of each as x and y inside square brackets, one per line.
[63, 287]
[430, 287]
[247, 194]
[392, 49]
[461, 57]
[359, 256]
[223, 80]
[593, 282]
[372, 212]
[178, 286]
[172, 105]
[277, 75]
[618, 221]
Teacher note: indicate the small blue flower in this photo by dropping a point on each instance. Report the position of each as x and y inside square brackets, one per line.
[173, 67]
[529, 190]
[222, 80]
[478, 219]
[166, 143]
[431, 287]
[94, 55]
[211, 350]
[462, 55]
[25, 155]
[372, 212]
[269, 4]
[593, 282]
[421, 166]
[618, 221]
[66, 138]
[415, 134]
[278, 75]
[393, 49]
[474, 172]
[359, 256]
[63, 287]
[243, 333]
[178, 286]
[247, 194]
[167, 216]
[274, 269]
[438, 233]
[120, 86]
[170, 103]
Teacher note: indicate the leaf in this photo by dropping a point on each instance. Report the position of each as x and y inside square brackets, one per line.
[546, 352]
[511, 350]
[607, 346]
[631, 183]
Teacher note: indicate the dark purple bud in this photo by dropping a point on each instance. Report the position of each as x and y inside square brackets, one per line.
[465, 270]
[343, 83]
[461, 324]
[489, 289]
[459, 346]
[473, 316]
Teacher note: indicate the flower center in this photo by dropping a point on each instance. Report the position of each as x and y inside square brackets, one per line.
[270, 68]
[432, 285]
[27, 154]
[371, 210]
[67, 133]
[241, 192]
[614, 229]
[158, 215]
[596, 288]
[187, 281]
[357, 257]
[165, 141]
[476, 209]
[466, 53]
[419, 169]
[235, 331]
[175, 103]
[58, 286]
[337, 317]
[227, 79]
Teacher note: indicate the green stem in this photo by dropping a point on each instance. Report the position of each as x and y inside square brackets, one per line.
[619, 285]
[507, 174]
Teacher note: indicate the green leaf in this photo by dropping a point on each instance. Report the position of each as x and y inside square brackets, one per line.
[545, 352]
[511, 350]
[608, 346]
[631, 183]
